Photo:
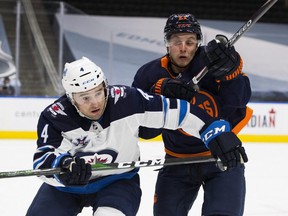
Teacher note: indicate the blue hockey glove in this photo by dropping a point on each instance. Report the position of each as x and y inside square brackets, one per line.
[77, 172]
[223, 143]
[224, 63]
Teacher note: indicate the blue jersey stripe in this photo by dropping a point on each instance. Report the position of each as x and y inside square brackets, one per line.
[183, 111]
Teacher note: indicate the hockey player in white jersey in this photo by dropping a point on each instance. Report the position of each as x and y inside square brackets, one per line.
[97, 123]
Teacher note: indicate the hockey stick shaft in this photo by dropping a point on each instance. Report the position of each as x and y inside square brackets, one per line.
[115, 166]
[255, 17]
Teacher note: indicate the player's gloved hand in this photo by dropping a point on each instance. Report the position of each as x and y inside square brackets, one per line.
[223, 143]
[77, 171]
[224, 63]
[173, 88]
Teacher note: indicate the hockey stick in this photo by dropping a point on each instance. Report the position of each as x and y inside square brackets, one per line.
[255, 17]
[115, 166]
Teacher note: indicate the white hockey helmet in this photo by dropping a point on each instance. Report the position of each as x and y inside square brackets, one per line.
[82, 75]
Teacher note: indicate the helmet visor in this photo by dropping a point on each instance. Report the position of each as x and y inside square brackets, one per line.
[94, 95]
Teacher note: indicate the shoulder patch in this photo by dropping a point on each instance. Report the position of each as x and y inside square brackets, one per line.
[116, 92]
[57, 108]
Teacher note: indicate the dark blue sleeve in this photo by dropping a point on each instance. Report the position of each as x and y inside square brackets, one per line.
[49, 138]
[148, 75]
[235, 95]
[61, 116]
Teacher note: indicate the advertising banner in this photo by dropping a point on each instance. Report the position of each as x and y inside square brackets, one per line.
[19, 117]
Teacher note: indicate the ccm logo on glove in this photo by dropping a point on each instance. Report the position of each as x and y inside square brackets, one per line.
[214, 129]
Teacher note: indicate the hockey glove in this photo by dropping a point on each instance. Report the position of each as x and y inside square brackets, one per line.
[224, 63]
[76, 171]
[223, 143]
[173, 88]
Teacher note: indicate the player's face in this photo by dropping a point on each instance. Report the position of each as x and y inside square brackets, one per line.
[91, 103]
[182, 48]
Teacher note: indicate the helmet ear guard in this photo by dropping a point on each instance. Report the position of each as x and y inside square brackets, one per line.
[181, 23]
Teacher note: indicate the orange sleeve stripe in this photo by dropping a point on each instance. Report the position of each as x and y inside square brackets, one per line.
[158, 85]
[244, 121]
[236, 72]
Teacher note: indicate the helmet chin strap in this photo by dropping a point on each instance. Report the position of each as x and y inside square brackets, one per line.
[70, 97]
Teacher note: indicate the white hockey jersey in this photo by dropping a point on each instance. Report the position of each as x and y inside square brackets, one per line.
[113, 138]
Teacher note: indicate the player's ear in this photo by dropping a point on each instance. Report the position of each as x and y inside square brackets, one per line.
[167, 49]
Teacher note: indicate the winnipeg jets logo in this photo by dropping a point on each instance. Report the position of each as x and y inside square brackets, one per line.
[102, 156]
[117, 92]
[57, 108]
[106, 156]
[81, 141]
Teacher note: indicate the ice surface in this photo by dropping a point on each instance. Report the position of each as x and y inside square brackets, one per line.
[266, 175]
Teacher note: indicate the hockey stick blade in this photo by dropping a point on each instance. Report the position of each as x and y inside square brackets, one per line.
[116, 166]
[255, 17]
